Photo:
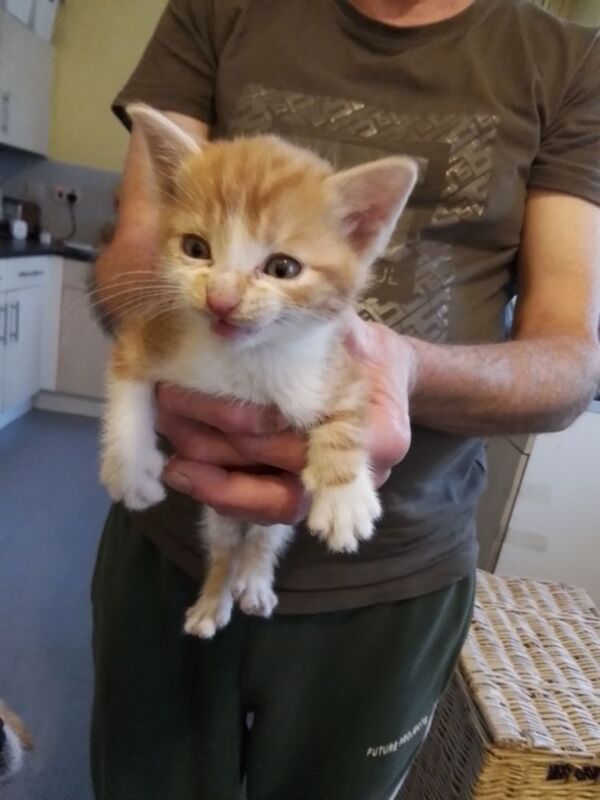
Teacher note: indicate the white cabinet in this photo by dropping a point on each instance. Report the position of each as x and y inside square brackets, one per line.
[43, 18]
[25, 86]
[83, 346]
[22, 302]
[23, 351]
[554, 530]
[21, 9]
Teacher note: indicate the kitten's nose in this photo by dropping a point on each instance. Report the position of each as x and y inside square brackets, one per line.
[222, 305]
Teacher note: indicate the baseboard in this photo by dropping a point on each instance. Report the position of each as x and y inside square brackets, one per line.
[14, 413]
[68, 404]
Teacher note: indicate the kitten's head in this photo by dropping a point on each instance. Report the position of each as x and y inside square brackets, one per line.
[262, 237]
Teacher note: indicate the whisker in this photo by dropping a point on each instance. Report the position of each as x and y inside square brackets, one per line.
[148, 296]
[158, 290]
[140, 304]
[125, 280]
[141, 294]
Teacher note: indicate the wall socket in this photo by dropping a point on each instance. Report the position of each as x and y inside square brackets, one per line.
[63, 195]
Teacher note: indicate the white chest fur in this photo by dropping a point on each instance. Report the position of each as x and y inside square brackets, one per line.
[294, 373]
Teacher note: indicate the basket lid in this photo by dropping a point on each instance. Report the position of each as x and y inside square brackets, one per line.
[532, 661]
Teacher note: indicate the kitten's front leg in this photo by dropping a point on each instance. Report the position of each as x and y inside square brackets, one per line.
[260, 550]
[212, 610]
[338, 475]
[131, 463]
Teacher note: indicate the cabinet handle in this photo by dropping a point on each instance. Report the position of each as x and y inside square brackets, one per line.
[14, 335]
[4, 312]
[5, 112]
[31, 273]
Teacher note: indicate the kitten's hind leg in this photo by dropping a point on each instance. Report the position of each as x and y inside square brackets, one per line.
[260, 550]
[212, 610]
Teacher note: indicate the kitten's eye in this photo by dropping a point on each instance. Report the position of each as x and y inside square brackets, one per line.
[281, 266]
[195, 247]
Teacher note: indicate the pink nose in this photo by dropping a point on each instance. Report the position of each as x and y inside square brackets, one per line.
[222, 305]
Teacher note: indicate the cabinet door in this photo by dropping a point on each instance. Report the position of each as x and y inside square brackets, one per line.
[25, 84]
[43, 20]
[83, 347]
[21, 9]
[22, 353]
[3, 341]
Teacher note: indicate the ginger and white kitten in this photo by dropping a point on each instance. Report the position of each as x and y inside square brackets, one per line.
[263, 251]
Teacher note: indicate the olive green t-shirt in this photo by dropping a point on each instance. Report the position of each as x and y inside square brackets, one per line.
[496, 100]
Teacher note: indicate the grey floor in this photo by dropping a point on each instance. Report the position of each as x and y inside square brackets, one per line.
[51, 514]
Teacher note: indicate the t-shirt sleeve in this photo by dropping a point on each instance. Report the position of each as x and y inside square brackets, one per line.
[178, 68]
[569, 156]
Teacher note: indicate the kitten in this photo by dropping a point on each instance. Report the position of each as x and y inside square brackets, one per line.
[264, 249]
[15, 739]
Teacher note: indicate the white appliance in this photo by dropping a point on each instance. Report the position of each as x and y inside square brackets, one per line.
[554, 530]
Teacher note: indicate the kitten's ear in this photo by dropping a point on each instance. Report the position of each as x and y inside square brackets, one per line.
[370, 199]
[168, 144]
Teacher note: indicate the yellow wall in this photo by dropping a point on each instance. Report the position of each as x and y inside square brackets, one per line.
[97, 44]
[585, 11]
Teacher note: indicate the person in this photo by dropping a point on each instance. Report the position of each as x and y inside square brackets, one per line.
[331, 698]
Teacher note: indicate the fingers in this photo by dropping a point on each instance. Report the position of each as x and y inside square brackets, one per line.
[228, 417]
[195, 441]
[286, 451]
[262, 499]
[389, 432]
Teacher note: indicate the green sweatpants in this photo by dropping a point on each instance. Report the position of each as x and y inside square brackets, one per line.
[330, 706]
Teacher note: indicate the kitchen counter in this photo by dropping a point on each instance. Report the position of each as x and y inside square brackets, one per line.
[10, 248]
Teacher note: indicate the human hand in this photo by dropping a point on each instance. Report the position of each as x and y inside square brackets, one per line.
[388, 365]
[219, 445]
[241, 460]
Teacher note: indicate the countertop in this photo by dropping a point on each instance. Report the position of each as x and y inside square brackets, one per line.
[10, 248]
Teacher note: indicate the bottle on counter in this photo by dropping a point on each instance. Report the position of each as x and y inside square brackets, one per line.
[18, 226]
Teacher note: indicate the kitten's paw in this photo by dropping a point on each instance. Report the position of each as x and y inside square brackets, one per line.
[208, 615]
[255, 595]
[134, 478]
[343, 516]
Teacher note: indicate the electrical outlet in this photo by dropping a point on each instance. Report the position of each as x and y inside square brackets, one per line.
[64, 195]
[73, 197]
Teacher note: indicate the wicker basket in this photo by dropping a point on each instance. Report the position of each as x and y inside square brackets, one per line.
[521, 717]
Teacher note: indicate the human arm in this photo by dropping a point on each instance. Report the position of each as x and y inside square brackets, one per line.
[546, 376]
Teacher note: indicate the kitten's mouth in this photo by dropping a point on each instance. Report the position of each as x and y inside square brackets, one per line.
[228, 330]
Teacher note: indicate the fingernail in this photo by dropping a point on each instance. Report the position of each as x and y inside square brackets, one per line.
[178, 481]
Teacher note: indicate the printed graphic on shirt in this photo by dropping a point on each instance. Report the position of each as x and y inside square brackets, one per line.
[377, 751]
[414, 280]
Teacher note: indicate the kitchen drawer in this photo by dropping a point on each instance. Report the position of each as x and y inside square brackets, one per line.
[22, 273]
